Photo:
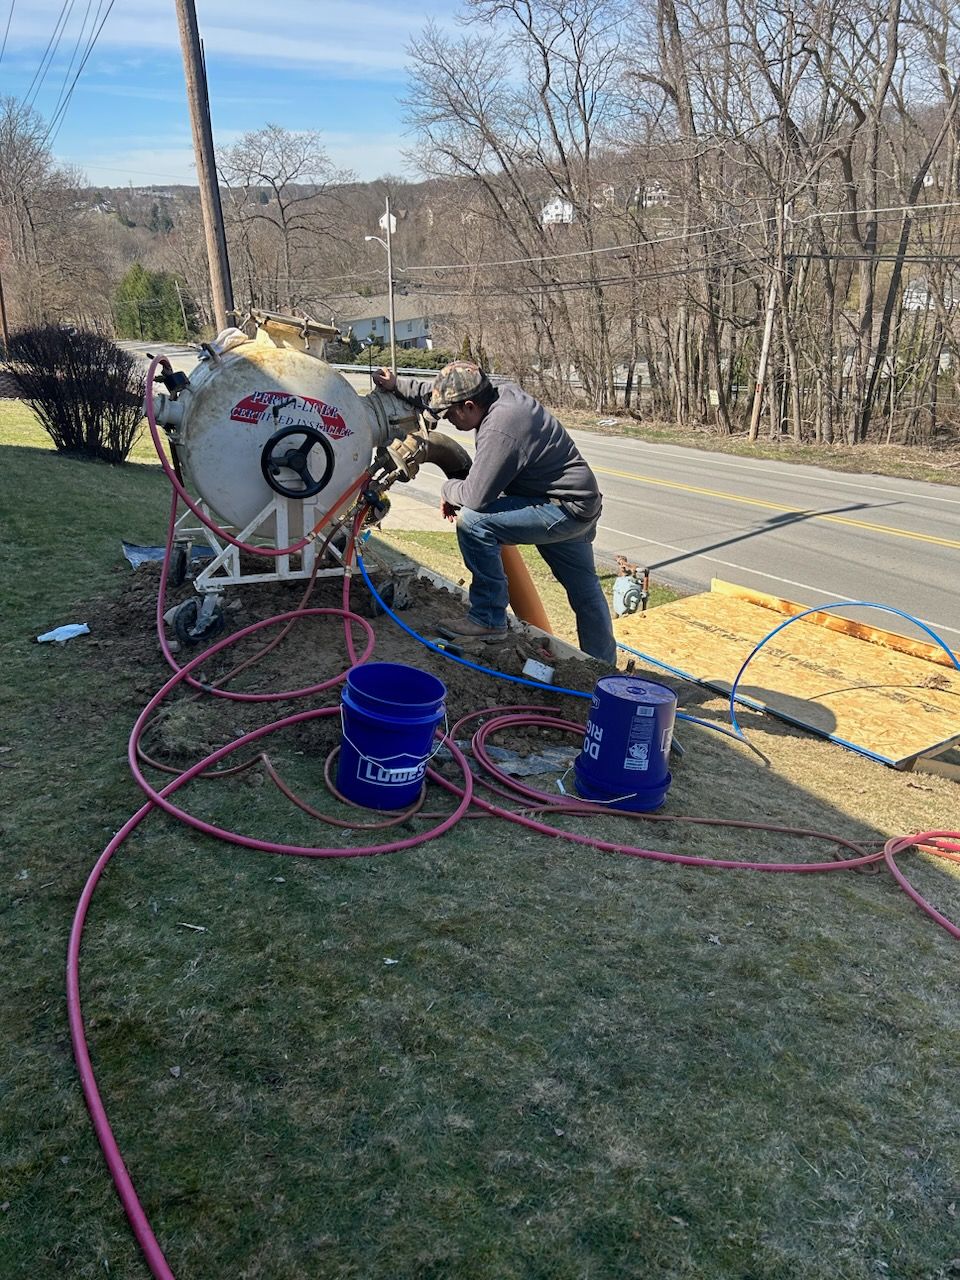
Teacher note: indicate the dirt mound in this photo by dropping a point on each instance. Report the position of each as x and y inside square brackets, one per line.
[313, 650]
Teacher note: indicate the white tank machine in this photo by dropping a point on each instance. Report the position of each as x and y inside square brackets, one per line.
[274, 446]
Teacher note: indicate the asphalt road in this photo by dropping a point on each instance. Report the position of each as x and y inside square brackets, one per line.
[812, 535]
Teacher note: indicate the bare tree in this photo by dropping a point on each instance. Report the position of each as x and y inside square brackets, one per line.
[517, 115]
[54, 261]
[283, 198]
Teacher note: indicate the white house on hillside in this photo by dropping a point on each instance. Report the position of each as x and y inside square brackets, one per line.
[369, 318]
[919, 295]
[556, 210]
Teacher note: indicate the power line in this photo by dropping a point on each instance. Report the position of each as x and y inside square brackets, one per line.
[76, 48]
[51, 45]
[929, 258]
[714, 258]
[3, 47]
[693, 233]
[350, 275]
[572, 286]
[583, 253]
[57, 120]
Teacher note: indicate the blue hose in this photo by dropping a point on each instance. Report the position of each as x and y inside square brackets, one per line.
[532, 684]
[435, 648]
[501, 675]
[824, 608]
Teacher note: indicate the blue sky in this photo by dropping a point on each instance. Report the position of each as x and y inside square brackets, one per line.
[305, 64]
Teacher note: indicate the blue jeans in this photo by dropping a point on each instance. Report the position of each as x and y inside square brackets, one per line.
[564, 543]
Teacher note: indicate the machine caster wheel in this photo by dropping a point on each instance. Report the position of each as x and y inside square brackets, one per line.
[395, 594]
[192, 627]
[177, 574]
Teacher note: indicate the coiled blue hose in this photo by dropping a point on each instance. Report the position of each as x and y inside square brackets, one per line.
[824, 608]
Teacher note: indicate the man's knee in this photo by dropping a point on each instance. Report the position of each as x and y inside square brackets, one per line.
[473, 524]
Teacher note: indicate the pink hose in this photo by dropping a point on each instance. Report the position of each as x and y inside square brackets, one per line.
[98, 1116]
[943, 843]
[101, 1124]
[159, 798]
[534, 716]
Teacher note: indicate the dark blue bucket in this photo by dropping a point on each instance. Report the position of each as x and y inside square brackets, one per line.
[626, 746]
[390, 715]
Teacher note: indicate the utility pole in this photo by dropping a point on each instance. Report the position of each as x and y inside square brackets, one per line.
[195, 75]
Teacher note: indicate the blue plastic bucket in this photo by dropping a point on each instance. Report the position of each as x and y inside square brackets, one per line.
[390, 715]
[626, 746]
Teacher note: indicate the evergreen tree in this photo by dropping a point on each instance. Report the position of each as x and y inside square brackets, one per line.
[146, 305]
[160, 220]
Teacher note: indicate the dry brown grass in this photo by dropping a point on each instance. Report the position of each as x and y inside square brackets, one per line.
[939, 464]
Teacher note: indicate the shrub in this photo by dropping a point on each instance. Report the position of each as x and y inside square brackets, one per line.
[407, 357]
[85, 391]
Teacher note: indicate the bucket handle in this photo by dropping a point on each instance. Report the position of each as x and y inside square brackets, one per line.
[631, 795]
[401, 754]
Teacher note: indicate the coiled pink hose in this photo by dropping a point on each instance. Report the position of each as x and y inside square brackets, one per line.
[942, 843]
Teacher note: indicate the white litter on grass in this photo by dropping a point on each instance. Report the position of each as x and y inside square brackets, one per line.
[65, 633]
[387, 960]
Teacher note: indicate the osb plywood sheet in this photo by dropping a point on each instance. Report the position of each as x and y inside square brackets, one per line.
[890, 704]
[837, 622]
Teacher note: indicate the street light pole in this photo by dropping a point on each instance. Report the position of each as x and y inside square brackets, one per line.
[393, 327]
[387, 223]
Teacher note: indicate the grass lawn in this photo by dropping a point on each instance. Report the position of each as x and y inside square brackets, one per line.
[440, 553]
[497, 1055]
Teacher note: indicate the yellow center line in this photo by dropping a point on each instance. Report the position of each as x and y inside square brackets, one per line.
[776, 506]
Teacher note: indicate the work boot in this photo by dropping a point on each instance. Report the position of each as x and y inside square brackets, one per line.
[467, 629]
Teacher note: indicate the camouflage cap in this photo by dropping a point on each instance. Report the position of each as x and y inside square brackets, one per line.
[456, 382]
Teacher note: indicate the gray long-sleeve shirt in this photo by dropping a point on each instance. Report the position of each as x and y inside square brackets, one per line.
[522, 450]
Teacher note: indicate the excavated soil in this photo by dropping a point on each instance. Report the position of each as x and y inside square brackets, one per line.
[311, 651]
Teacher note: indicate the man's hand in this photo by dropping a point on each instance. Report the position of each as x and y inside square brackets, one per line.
[448, 511]
[385, 379]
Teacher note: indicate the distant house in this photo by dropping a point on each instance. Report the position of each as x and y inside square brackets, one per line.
[556, 210]
[919, 295]
[369, 318]
[606, 199]
[649, 194]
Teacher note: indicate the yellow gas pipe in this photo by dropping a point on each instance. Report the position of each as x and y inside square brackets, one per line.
[524, 599]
